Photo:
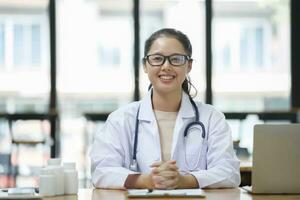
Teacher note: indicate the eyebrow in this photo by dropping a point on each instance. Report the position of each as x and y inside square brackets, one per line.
[166, 55]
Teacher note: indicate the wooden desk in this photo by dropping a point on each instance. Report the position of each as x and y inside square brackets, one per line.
[215, 194]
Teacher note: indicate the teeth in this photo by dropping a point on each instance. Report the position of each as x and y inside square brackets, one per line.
[166, 77]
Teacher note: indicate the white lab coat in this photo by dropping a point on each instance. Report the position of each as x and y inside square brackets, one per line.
[113, 146]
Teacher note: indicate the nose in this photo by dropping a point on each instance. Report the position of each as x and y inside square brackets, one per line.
[167, 65]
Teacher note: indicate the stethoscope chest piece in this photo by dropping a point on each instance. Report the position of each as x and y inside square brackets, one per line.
[133, 165]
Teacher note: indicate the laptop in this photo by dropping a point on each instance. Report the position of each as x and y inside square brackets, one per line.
[276, 159]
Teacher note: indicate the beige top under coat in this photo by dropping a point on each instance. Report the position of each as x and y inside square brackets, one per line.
[166, 123]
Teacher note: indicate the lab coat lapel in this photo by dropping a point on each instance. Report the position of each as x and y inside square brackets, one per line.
[185, 115]
[148, 125]
[146, 111]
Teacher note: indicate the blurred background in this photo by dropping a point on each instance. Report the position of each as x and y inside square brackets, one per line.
[66, 64]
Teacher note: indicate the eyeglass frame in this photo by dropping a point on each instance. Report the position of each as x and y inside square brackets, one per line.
[186, 57]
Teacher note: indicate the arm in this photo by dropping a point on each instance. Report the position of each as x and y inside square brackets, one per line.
[109, 154]
[187, 181]
[222, 164]
[139, 181]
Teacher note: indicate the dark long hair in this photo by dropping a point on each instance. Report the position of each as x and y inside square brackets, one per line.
[184, 40]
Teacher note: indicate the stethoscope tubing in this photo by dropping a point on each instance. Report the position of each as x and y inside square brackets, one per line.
[136, 130]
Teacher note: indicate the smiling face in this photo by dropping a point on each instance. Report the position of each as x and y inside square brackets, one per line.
[167, 78]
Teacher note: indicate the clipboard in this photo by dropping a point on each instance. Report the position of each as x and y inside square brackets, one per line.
[145, 193]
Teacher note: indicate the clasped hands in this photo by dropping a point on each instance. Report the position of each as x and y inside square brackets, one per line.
[164, 175]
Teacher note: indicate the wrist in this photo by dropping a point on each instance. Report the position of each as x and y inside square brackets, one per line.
[139, 181]
[187, 181]
[145, 181]
[180, 183]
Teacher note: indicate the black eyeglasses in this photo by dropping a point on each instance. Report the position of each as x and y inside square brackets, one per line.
[159, 60]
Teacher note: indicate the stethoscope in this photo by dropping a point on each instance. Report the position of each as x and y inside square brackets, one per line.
[196, 123]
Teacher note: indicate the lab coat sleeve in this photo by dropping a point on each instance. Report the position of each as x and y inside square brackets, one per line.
[223, 167]
[108, 157]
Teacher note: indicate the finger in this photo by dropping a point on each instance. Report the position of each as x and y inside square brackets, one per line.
[169, 174]
[168, 166]
[160, 163]
[161, 179]
[170, 183]
[166, 184]
[160, 186]
[161, 171]
[157, 180]
[156, 164]
[171, 161]
[155, 171]
[168, 180]
[172, 167]
[160, 182]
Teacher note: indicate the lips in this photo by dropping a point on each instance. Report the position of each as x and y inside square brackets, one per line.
[166, 77]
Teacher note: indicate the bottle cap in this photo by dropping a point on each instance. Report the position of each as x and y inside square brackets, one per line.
[69, 165]
[46, 171]
[54, 161]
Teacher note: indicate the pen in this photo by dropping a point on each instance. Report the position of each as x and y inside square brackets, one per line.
[150, 190]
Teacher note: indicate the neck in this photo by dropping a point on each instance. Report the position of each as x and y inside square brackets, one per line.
[166, 102]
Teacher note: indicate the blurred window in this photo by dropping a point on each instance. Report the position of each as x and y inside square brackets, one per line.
[94, 67]
[90, 70]
[24, 56]
[27, 45]
[252, 47]
[35, 44]
[109, 56]
[2, 45]
[155, 15]
[251, 59]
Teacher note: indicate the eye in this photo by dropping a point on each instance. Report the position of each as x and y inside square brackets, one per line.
[156, 58]
[177, 59]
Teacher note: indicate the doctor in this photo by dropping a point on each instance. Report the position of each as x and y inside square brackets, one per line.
[166, 140]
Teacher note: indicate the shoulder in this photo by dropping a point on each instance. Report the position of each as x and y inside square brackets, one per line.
[124, 112]
[209, 110]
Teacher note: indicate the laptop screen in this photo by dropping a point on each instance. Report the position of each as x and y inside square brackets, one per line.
[276, 158]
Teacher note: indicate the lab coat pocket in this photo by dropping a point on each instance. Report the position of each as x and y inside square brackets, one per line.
[193, 142]
[193, 146]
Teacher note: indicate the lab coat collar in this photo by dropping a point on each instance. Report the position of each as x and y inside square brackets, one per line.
[186, 112]
[147, 114]
[146, 111]
[186, 109]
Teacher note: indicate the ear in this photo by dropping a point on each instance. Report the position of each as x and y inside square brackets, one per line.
[145, 68]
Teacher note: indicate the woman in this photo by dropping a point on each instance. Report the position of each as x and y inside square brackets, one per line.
[166, 140]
